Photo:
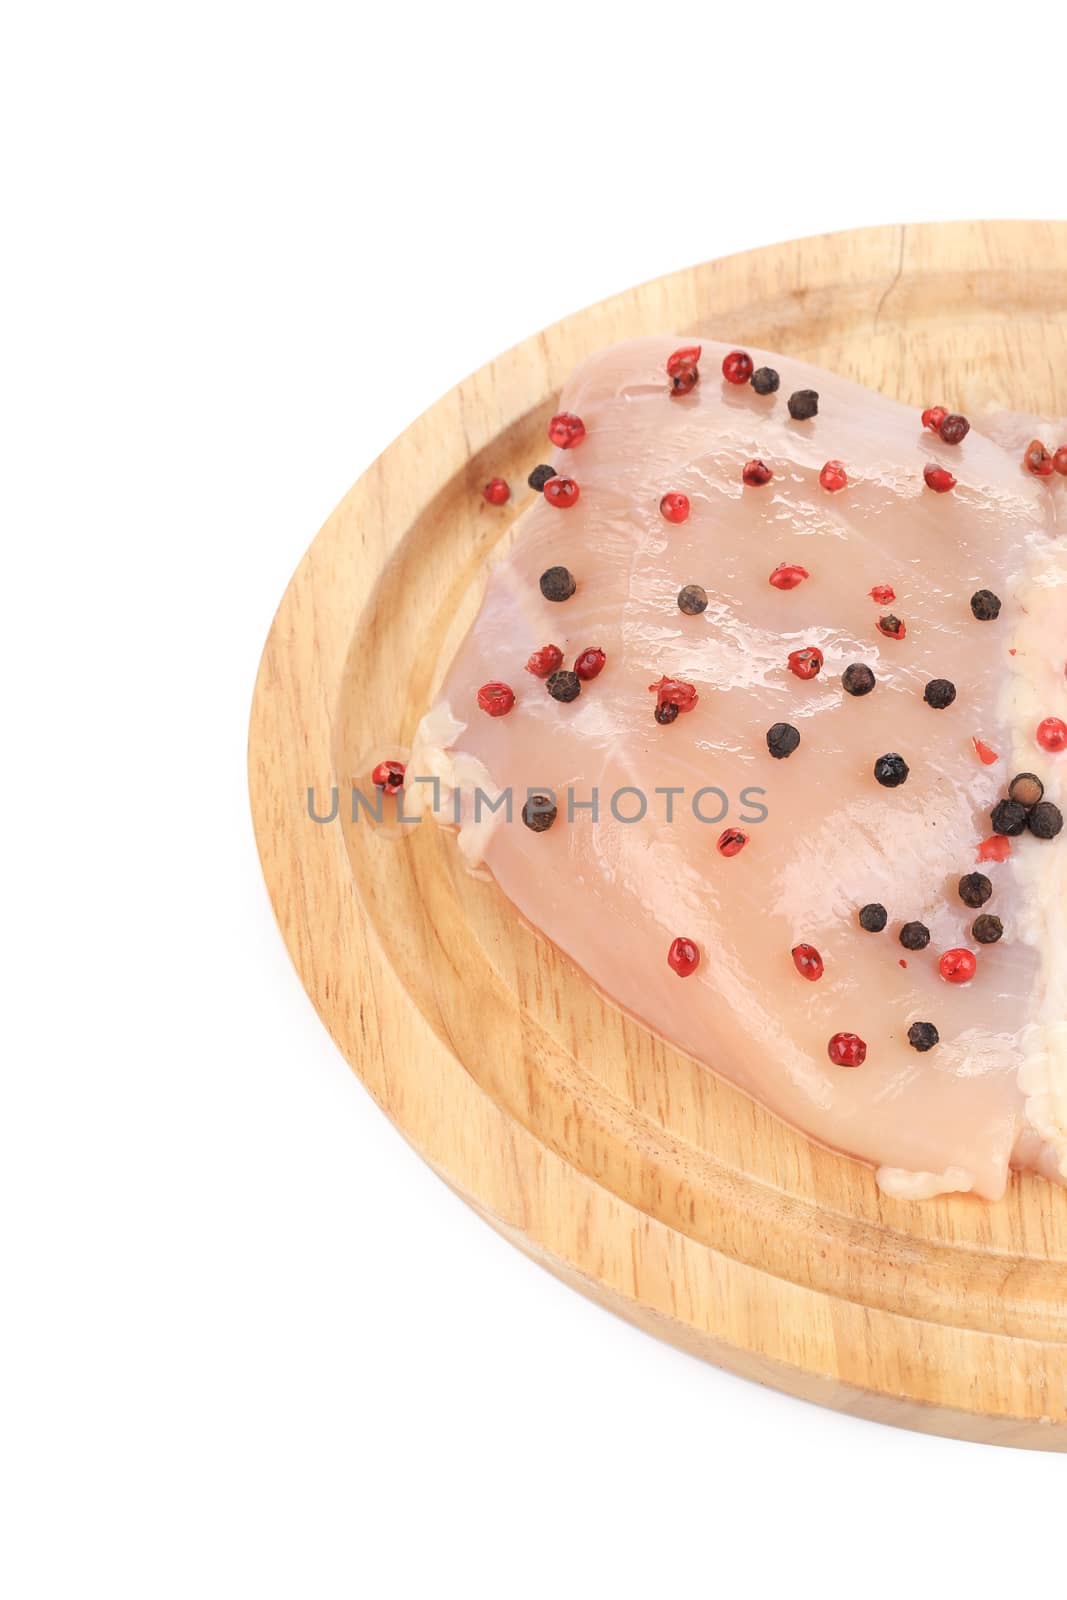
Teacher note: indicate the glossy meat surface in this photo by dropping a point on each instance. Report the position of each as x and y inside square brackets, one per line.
[613, 894]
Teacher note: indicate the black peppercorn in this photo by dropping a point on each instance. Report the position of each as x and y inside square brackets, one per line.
[1045, 820]
[557, 584]
[985, 605]
[987, 929]
[857, 679]
[873, 918]
[782, 740]
[891, 770]
[1026, 788]
[803, 405]
[1008, 817]
[666, 713]
[939, 693]
[914, 936]
[564, 685]
[692, 600]
[540, 476]
[765, 380]
[539, 812]
[954, 428]
[923, 1036]
[975, 889]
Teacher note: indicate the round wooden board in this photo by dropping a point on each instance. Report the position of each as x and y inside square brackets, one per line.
[628, 1170]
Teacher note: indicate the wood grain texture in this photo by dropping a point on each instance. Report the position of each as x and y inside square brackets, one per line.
[625, 1168]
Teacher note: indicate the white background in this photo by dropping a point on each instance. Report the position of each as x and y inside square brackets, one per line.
[250, 1345]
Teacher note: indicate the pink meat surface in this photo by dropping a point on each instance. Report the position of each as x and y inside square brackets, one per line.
[614, 894]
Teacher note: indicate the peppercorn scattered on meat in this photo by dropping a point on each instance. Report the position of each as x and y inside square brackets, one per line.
[879, 776]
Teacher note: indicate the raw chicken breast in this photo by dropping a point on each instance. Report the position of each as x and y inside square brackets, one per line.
[824, 838]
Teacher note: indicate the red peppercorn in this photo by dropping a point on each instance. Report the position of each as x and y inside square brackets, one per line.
[566, 430]
[737, 367]
[892, 627]
[933, 417]
[731, 842]
[995, 848]
[806, 663]
[883, 593]
[562, 492]
[833, 476]
[847, 1050]
[590, 664]
[756, 474]
[497, 492]
[682, 369]
[1037, 460]
[939, 479]
[808, 962]
[496, 699]
[958, 966]
[683, 957]
[675, 507]
[1052, 735]
[674, 691]
[1059, 460]
[545, 661]
[787, 577]
[985, 753]
[388, 775]
[954, 428]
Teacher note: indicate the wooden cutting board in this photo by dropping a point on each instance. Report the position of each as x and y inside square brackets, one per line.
[628, 1170]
